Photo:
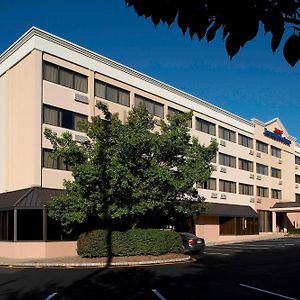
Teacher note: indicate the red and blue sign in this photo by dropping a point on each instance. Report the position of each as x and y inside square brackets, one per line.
[277, 135]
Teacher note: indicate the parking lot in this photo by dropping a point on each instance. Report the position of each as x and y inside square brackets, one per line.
[266, 269]
[250, 247]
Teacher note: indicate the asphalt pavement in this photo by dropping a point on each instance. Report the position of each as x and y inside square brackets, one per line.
[267, 269]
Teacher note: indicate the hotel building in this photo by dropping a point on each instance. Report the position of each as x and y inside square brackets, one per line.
[48, 82]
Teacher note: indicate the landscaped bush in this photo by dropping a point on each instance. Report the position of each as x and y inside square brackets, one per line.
[294, 231]
[100, 243]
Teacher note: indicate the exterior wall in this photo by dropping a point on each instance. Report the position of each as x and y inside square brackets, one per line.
[207, 227]
[3, 133]
[287, 182]
[293, 219]
[27, 250]
[23, 139]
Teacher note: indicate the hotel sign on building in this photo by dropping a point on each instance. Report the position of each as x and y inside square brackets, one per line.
[277, 135]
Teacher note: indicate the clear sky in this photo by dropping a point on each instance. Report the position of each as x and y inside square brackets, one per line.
[255, 83]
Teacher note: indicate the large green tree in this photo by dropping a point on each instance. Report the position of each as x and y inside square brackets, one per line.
[131, 174]
[238, 20]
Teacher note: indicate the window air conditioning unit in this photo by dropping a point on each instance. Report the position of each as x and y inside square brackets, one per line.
[297, 186]
[251, 176]
[214, 195]
[223, 143]
[258, 200]
[258, 154]
[223, 196]
[251, 152]
[258, 177]
[214, 167]
[223, 170]
[251, 199]
[81, 138]
[280, 182]
[280, 161]
[81, 98]
[296, 167]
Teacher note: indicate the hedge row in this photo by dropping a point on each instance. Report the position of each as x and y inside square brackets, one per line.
[294, 231]
[101, 243]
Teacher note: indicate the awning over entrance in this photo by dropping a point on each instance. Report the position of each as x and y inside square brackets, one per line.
[23, 214]
[286, 207]
[30, 198]
[231, 210]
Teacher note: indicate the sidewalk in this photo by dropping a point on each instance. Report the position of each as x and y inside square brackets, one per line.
[104, 262]
[261, 237]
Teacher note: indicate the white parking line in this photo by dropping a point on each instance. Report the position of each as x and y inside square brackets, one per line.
[246, 247]
[158, 294]
[216, 253]
[267, 292]
[51, 296]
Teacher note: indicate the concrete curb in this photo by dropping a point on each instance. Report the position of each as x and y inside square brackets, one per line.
[92, 265]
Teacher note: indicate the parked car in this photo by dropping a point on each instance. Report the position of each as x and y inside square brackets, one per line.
[191, 243]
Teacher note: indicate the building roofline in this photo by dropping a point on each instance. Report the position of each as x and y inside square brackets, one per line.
[34, 31]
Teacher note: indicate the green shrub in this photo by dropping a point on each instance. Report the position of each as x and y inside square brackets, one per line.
[101, 243]
[294, 231]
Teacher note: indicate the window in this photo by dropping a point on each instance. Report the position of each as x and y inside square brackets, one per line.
[65, 77]
[205, 126]
[172, 111]
[261, 169]
[297, 178]
[50, 163]
[62, 118]
[227, 186]
[275, 152]
[153, 107]
[275, 172]
[246, 165]
[111, 93]
[227, 160]
[262, 191]
[297, 160]
[226, 134]
[276, 194]
[245, 189]
[297, 197]
[210, 184]
[245, 141]
[262, 147]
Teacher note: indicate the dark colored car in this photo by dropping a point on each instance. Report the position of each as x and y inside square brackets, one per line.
[191, 243]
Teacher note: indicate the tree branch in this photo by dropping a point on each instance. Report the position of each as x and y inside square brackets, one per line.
[292, 20]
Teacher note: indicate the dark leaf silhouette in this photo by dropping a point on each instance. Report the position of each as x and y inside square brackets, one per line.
[239, 20]
[291, 49]
[232, 45]
[276, 39]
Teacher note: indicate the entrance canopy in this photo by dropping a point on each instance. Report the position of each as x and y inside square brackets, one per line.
[231, 210]
[30, 198]
[286, 207]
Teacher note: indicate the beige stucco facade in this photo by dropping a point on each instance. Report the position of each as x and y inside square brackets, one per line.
[24, 94]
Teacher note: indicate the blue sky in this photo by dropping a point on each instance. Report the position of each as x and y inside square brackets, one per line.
[255, 83]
